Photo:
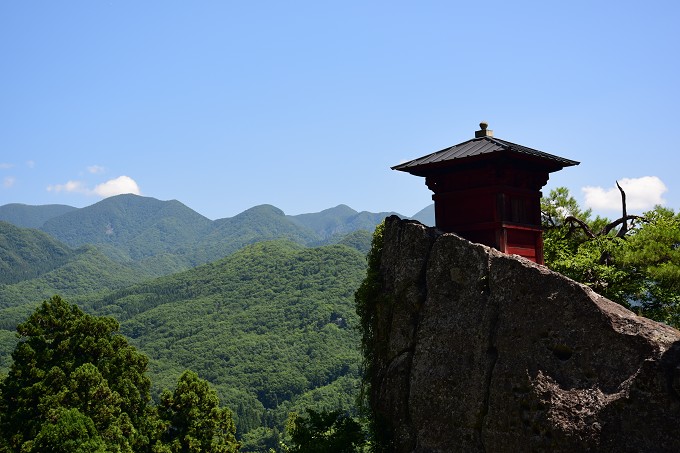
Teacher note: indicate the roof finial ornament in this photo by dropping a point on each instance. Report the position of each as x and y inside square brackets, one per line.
[483, 132]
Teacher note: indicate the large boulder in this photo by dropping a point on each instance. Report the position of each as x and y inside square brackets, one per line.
[481, 351]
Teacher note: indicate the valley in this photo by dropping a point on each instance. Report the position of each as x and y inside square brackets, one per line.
[261, 304]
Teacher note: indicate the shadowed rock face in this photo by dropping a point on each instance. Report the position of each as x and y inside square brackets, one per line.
[482, 351]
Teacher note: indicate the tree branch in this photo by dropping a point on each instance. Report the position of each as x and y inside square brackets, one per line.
[610, 226]
[624, 226]
[575, 223]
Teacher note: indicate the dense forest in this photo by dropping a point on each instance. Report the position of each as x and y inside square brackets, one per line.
[76, 385]
[270, 324]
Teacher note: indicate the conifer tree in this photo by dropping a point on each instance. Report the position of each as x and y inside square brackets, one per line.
[74, 373]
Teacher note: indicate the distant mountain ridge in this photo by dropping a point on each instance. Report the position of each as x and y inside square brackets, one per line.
[125, 239]
[136, 226]
[169, 236]
[425, 215]
[340, 220]
[29, 216]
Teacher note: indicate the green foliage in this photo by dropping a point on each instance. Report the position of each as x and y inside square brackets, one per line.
[639, 270]
[369, 297]
[559, 238]
[368, 294]
[27, 216]
[269, 325]
[86, 272]
[26, 253]
[260, 223]
[324, 432]
[136, 226]
[360, 240]
[653, 253]
[67, 431]
[272, 326]
[8, 341]
[339, 221]
[249, 323]
[76, 385]
[67, 359]
[261, 440]
[193, 419]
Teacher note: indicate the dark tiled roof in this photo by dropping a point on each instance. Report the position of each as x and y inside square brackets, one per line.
[481, 146]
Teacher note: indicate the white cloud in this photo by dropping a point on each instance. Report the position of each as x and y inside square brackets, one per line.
[8, 182]
[30, 163]
[117, 186]
[94, 169]
[641, 194]
[70, 186]
[5, 165]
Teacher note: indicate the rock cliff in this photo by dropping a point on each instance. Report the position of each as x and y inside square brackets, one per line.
[477, 351]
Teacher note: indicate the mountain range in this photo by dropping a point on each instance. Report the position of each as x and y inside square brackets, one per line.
[261, 304]
[169, 236]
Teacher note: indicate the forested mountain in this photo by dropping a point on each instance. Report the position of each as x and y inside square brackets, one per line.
[340, 220]
[29, 216]
[167, 236]
[269, 321]
[260, 223]
[425, 215]
[86, 271]
[27, 253]
[136, 227]
[34, 267]
[272, 327]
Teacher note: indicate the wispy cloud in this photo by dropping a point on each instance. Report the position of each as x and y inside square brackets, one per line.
[30, 163]
[94, 169]
[8, 182]
[5, 165]
[641, 194]
[70, 186]
[116, 186]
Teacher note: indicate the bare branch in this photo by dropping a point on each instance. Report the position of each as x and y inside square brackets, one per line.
[624, 226]
[575, 223]
[610, 226]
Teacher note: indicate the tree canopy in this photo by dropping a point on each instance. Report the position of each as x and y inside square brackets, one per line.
[76, 385]
[193, 419]
[323, 432]
[633, 260]
[69, 360]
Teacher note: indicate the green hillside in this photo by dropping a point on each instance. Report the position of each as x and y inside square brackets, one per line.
[167, 236]
[271, 323]
[340, 220]
[260, 223]
[27, 253]
[137, 227]
[272, 326]
[359, 240]
[41, 267]
[86, 271]
[28, 216]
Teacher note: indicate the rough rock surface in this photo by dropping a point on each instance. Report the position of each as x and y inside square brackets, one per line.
[485, 352]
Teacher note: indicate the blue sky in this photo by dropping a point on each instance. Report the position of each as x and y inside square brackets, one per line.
[306, 105]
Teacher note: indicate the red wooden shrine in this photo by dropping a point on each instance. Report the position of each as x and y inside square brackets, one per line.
[488, 190]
